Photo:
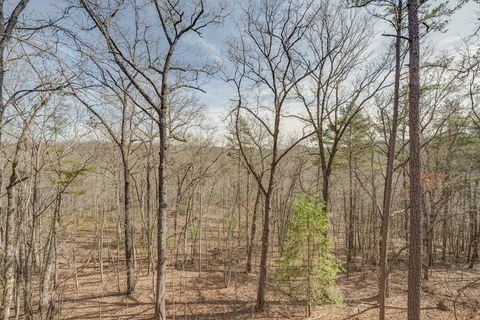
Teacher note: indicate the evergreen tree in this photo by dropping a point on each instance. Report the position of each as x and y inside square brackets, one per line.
[307, 256]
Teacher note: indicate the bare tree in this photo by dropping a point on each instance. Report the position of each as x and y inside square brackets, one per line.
[269, 54]
[15, 178]
[123, 140]
[154, 77]
[396, 20]
[339, 40]
[7, 27]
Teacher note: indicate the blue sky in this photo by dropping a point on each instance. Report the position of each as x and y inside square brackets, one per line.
[213, 43]
[462, 24]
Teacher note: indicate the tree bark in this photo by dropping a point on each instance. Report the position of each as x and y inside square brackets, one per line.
[128, 225]
[475, 230]
[262, 281]
[415, 239]
[9, 259]
[350, 219]
[160, 312]
[251, 243]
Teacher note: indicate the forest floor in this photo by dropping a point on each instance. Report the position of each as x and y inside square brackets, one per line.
[215, 293]
[207, 297]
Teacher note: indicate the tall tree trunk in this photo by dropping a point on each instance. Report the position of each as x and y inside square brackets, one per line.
[7, 27]
[128, 225]
[50, 262]
[31, 250]
[2, 218]
[3, 232]
[262, 281]
[10, 240]
[387, 192]
[21, 250]
[148, 210]
[373, 211]
[425, 235]
[160, 312]
[474, 226]
[446, 209]
[251, 243]
[161, 228]
[350, 219]
[325, 187]
[415, 240]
